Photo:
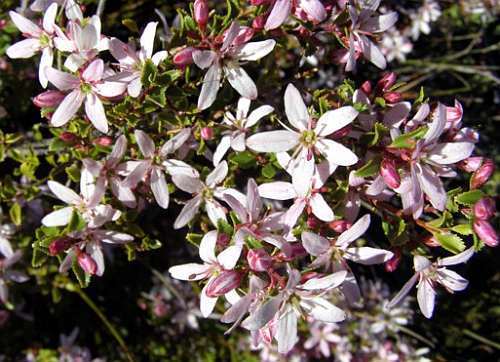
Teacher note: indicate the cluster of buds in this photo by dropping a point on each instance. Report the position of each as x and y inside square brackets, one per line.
[483, 211]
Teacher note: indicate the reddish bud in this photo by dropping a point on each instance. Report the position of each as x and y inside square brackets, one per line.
[258, 22]
[393, 97]
[103, 141]
[87, 263]
[201, 13]
[290, 251]
[471, 164]
[341, 133]
[366, 87]
[259, 260]
[3, 23]
[390, 173]
[184, 57]
[486, 232]
[387, 81]
[160, 309]
[246, 33]
[304, 32]
[207, 133]
[313, 223]
[339, 226]
[224, 283]
[483, 174]
[484, 208]
[68, 137]
[393, 263]
[50, 98]
[59, 245]
[223, 240]
[259, 2]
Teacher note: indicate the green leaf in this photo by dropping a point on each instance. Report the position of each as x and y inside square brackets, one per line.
[194, 239]
[244, 160]
[130, 25]
[82, 277]
[149, 72]
[224, 227]
[407, 140]
[463, 229]
[451, 242]
[15, 213]
[39, 257]
[370, 168]
[76, 223]
[73, 172]
[253, 243]
[268, 171]
[469, 198]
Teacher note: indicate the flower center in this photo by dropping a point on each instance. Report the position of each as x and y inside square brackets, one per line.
[308, 138]
[86, 88]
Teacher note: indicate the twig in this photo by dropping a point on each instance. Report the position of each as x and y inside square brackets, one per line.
[100, 7]
[481, 339]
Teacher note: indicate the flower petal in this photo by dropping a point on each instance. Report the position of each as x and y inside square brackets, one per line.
[95, 111]
[210, 87]
[240, 80]
[188, 212]
[332, 121]
[159, 187]
[255, 50]
[336, 153]
[354, 232]
[295, 108]
[273, 141]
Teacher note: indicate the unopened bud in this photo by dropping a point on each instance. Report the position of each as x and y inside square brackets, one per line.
[50, 98]
[258, 22]
[387, 81]
[393, 263]
[59, 245]
[184, 57]
[486, 232]
[246, 33]
[207, 133]
[87, 263]
[366, 87]
[201, 13]
[390, 173]
[259, 260]
[160, 309]
[291, 251]
[454, 114]
[471, 164]
[339, 226]
[341, 133]
[68, 137]
[393, 97]
[224, 283]
[484, 209]
[313, 223]
[104, 141]
[483, 174]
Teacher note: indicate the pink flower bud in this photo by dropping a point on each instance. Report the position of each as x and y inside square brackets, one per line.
[387, 81]
[390, 173]
[259, 2]
[366, 87]
[471, 164]
[393, 263]
[393, 97]
[484, 208]
[68, 137]
[87, 263]
[291, 251]
[454, 114]
[223, 240]
[59, 245]
[246, 33]
[201, 13]
[341, 133]
[258, 22]
[486, 232]
[104, 141]
[483, 174]
[224, 283]
[160, 309]
[184, 57]
[3, 23]
[207, 133]
[313, 223]
[339, 226]
[259, 260]
[50, 98]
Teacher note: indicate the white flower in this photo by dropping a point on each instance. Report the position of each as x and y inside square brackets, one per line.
[37, 39]
[307, 139]
[210, 269]
[227, 60]
[428, 274]
[239, 126]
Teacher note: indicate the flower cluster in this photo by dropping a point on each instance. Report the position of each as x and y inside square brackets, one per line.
[280, 188]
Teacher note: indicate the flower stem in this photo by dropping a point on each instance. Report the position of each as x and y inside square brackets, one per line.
[481, 339]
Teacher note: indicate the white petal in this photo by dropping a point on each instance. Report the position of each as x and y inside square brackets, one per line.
[432, 186]
[24, 25]
[278, 190]
[190, 271]
[204, 58]
[279, 13]
[324, 283]
[398, 298]
[217, 175]
[355, 231]
[188, 212]
[210, 87]
[314, 244]
[145, 143]
[240, 80]
[148, 38]
[273, 141]
[295, 108]
[437, 126]
[229, 257]
[326, 312]
[95, 111]
[372, 53]
[255, 50]
[23, 49]
[336, 153]
[451, 280]
[215, 211]
[59, 217]
[463, 257]
[68, 108]
[320, 208]
[334, 120]
[257, 114]
[64, 193]
[207, 247]
[368, 256]
[45, 63]
[264, 313]
[451, 152]
[62, 80]
[286, 331]
[187, 183]
[426, 298]
[159, 187]
[207, 304]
